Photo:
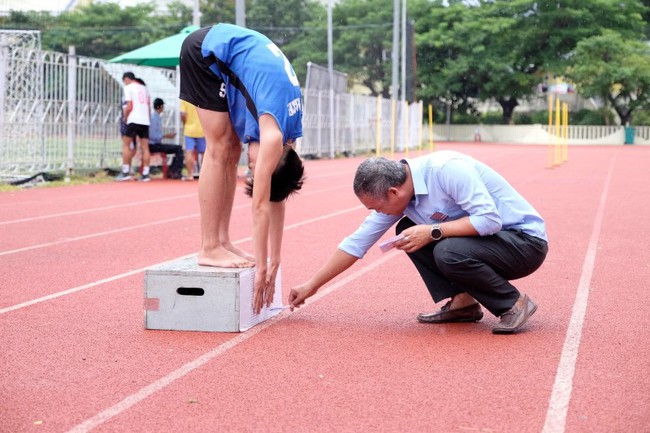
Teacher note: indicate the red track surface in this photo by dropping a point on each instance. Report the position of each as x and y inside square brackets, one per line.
[75, 355]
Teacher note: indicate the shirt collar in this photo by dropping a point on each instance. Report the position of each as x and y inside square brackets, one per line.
[417, 177]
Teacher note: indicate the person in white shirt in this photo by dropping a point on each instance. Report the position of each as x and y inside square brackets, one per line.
[136, 113]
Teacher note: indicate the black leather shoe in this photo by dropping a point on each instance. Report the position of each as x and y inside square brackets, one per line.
[472, 313]
[513, 319]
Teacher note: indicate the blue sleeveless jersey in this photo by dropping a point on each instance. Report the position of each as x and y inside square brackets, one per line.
[259, 80]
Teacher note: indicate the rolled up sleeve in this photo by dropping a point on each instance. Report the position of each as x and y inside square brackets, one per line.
[368, 233]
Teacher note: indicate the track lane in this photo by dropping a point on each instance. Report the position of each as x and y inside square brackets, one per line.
[364, 328]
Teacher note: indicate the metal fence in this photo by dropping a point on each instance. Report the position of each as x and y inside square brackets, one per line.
[361, 124]
[61, 112]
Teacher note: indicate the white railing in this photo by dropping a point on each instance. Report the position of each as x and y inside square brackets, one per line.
[61, 111]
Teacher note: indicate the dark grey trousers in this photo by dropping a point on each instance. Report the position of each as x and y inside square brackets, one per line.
[482, 266]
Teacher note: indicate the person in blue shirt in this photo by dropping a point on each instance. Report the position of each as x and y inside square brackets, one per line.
[156, 136]
[245, 91]
[466, 229]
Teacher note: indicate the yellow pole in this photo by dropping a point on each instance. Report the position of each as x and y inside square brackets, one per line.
[406, 128]
[556, 159]
[378, 139]
[549, 152]
[392, 128]
[430, 128]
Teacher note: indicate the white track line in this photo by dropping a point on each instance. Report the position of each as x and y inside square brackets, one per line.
[561, 395]
[96, 209]
[136, 271]
[138, 203]
[135, 227]
[186, 369]
[97, 234]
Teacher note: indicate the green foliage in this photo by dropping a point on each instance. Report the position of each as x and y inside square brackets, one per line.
[502, 49]
[641, 117]
[363, 42]
[277, 19]
[466, 51]
[614, 69]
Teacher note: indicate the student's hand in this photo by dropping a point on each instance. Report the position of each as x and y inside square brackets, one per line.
[298, 295]
[258, 291]
[269, 291]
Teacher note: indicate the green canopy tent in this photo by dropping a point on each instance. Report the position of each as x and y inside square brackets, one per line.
[163, 53]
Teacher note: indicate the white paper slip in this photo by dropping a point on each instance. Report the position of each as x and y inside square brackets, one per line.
[388, 244]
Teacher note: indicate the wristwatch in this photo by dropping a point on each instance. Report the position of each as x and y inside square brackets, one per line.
[436, 232]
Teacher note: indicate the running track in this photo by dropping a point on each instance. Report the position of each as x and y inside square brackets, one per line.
[75, 356]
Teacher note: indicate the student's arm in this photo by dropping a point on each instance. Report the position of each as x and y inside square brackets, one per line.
[276, 229]
[267, 160]
[339, 262]
[128, 107]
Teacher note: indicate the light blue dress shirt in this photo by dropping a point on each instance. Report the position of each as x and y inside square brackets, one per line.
[448, 186]
[155, 129]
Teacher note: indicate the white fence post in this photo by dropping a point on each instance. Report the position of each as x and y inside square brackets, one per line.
[4, 60]
[72, 109]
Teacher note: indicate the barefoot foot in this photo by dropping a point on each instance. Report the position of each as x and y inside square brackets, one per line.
[222, 258]
[241, 253]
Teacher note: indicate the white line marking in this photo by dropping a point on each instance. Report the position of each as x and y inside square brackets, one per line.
[135, 271]
[561, 394]
[138, 203]
[94, 235]
[183, 371]
[139, 226]
[96, 209]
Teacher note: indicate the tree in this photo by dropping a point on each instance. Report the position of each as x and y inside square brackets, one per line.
[444, 55]
[363, 42]
[102, 30]
[290, 24]
[501, 49]
[614, 69]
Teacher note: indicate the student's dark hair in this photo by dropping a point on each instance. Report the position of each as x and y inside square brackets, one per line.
[141, 81]
[157, 103]
[129, 75]
[287, 179]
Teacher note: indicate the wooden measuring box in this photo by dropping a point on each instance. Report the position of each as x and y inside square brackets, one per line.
[183, 296]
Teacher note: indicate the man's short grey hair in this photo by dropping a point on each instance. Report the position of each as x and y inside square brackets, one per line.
[375, 176]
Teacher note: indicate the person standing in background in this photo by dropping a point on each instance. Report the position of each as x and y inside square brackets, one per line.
[194, 137]
[137, 114]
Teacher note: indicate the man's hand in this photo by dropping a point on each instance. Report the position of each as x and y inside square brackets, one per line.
[298, 295]
[414, 238]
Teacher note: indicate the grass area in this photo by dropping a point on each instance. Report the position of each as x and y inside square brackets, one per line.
[58, 180]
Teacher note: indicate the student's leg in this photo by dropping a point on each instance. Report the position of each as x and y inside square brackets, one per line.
[189, 158]
[127, 152]
[213, 187]
[229, 198]
[146, 155]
